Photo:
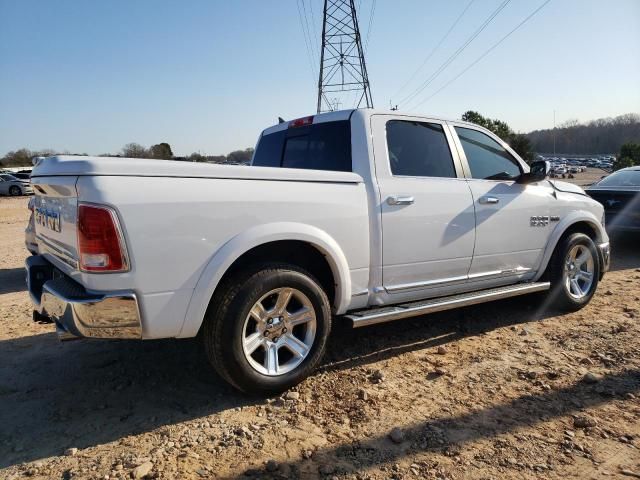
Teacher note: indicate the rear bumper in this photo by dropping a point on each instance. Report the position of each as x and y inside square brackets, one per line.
[604, 252]
[77, 312]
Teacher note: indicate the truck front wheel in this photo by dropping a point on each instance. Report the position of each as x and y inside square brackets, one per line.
[266, 328]
[574, 271]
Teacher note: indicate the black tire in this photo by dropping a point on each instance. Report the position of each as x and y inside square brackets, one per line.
[559, 295]
[224, 324]
[14, 191]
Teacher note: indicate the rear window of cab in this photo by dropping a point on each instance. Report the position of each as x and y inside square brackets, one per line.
[322, 146]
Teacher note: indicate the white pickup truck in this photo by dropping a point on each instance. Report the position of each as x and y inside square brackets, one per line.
[357, 216]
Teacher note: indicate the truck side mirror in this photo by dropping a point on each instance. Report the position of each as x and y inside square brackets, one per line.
[538, 171]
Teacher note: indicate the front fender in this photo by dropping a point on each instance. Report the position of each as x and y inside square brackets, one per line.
[222, 259]
[571, 219]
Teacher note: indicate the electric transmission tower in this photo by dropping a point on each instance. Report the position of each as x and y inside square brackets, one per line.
[343, 73]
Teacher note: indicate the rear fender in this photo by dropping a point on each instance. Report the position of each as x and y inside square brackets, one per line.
[254, 237]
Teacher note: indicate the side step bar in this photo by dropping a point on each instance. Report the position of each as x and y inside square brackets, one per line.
[363, 318]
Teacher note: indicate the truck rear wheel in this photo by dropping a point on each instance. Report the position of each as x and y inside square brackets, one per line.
[574, 271]
[267, 327]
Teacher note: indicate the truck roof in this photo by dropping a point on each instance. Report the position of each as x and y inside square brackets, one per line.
[346, 115]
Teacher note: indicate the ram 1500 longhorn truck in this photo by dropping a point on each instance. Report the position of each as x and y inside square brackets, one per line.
[357, 216]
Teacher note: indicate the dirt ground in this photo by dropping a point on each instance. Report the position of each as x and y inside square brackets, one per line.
[502, 390]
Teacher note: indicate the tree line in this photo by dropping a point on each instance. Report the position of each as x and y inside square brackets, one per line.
[629, 156]
[160, 151]
[518, 141]
[605, 135]
[619, 135]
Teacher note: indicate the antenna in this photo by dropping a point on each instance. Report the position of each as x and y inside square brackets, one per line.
[342, 67]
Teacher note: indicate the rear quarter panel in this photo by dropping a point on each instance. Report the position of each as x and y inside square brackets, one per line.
[175, 226]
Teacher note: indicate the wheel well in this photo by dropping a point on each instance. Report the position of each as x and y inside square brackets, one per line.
[295, 252]
[578, 227]
[581, 227]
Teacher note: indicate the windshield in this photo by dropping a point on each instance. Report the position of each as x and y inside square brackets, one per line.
[8, 178]
[621, 178]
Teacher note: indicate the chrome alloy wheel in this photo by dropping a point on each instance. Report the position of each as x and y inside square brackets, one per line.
[279, 331]
[579, 269]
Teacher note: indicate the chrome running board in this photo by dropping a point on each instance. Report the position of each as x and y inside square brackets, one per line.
[371, 316]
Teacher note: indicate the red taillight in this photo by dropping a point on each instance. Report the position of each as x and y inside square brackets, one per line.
[301, 122]
[100, 242]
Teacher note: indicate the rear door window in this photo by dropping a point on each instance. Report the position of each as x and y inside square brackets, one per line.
[418, 149]
[323, 146]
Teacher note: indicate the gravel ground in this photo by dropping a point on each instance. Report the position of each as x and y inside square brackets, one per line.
[502, 390]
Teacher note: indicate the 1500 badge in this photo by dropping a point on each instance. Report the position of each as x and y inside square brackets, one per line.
[47, 218]
[542, 220]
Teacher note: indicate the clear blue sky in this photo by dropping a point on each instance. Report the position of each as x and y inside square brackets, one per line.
[207, 76]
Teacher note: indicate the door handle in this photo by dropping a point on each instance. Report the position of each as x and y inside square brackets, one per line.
[400, 200]
[485, 200]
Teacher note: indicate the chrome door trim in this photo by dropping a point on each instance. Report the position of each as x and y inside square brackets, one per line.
[360, 293]
[498, 273]
[450, 280]
[428, 283]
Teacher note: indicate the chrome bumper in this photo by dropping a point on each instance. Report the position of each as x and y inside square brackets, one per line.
[76, 312]
[604, 249]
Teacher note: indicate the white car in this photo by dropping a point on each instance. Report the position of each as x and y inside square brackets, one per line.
[358, 216]
[10, 185]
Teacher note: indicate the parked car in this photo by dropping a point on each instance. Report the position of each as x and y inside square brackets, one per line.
[361, 215]
[619, 193]
[22, 176]
[10, 185]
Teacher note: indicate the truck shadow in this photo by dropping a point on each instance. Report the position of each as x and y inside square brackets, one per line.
[12, 280]
[86, 393]
[625, 253]
[449, 434]
[351, 348]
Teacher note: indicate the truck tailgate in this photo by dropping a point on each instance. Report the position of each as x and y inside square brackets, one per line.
[55, 215]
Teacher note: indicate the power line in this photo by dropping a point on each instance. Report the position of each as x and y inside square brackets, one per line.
[449, 60]
[446, 35]
[313, 19]
[373, 11]
[487, 52]
[306, 42]
[311, 41]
